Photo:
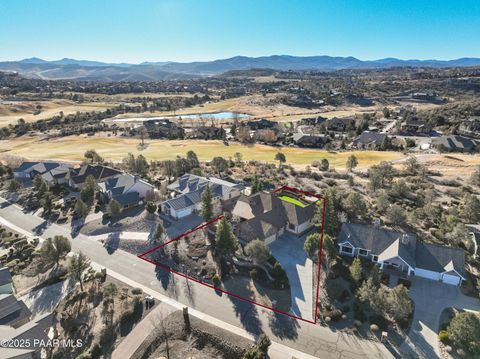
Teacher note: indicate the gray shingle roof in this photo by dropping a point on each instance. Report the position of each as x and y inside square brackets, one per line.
[456, 142]
[387, 244]
[97, 171]
[5, 276]
[8, 305]
[127, 199]
[439, 258]
[266, 214]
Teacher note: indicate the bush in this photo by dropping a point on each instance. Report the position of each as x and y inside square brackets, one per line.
[137, 291]
[96, 351]
[216, 280]
[334, 314]
[443, 336]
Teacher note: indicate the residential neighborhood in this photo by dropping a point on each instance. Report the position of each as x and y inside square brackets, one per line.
[231, 180]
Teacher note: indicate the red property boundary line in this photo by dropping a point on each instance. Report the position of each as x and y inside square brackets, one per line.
[314, 321]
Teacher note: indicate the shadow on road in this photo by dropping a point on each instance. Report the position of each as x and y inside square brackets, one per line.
[39, 229]
[283, 326]
[112, 242]
[247, 312]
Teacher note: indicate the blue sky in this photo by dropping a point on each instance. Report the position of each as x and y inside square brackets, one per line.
[187, 30]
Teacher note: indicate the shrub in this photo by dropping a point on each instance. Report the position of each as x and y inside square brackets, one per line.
[137, 291]
[443, 336]
[96, 351]
[216, 280]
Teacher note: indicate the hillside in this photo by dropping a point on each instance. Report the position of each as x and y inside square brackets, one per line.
[99, 71]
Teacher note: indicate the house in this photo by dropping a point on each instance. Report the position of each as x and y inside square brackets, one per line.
[6, 286]
[126, 189]
[189, 188]
[456, 143]
[207, 133]
[99, 172]
[369, 140]
[266, 216]
[36, 332]
[312, 121]
[340, 124]
[163, 128]
[306, 140]
[28, 170]
[261, 124]
[402, 254]
[415, 127]
[13, 312]
[57, 176]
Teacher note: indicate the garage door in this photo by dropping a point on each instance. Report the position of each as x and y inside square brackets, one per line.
[451, 279]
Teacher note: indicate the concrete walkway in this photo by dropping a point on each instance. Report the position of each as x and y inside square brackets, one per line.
[142, 330]
[168, 305]
[431, 298]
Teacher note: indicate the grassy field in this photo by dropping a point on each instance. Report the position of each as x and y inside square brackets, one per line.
[11, 112]
[73, 148]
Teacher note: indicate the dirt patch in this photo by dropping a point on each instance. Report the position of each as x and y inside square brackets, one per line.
[204, 341]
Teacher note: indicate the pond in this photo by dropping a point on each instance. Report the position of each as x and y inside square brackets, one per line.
[226, 115]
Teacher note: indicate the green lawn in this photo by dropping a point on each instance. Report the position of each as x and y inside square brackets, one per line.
[295, 201]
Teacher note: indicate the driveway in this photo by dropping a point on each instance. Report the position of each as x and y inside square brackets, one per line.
[431, 298]
[175, 228]
[288, 250]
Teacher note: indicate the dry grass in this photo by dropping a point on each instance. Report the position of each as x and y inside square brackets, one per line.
[114, 149]
[11, 112]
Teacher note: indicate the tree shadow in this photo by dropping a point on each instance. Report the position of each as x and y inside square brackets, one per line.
[163, 276]
[112, 242]
[189, 291]
[245, 311]
[39, 229]
[283, 326]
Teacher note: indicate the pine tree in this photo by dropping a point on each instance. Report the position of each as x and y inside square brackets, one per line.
[207, 205]
[226, 242]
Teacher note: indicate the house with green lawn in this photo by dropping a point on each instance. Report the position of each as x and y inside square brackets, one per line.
[268, 215]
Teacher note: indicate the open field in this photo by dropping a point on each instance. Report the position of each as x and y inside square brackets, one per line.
[114, 149]
[261, 107]
[12, 111]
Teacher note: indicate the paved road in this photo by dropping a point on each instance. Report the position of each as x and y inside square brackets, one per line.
[312, 339]
[430, 299]
[288, 250]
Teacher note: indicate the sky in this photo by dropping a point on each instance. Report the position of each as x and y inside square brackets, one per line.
[134, 31]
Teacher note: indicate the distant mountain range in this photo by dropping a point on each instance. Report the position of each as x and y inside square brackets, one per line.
[101, 71]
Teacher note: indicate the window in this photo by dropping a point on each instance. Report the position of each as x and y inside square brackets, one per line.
[375, 258]
[347, 249]
[363, 252]
[291, 226]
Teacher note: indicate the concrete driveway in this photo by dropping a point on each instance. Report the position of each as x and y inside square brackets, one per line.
[431, 298]
[175, 228]
[288, 250]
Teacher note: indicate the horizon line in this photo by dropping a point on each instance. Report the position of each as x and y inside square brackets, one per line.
[226, 58]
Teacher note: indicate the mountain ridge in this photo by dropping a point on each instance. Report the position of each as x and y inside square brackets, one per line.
[68, 68]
